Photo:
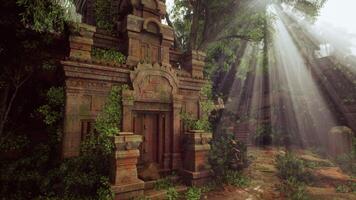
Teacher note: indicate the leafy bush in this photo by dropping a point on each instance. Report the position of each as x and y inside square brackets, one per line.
[289, 166]
[109, 55]
[163, 184]
[347, 162]
[103, 17]
[227, 154]
[236, 178]
[172, 194]
[346, 188]
[193, 193]
[52, 112]
[294, 189]
[206, 106]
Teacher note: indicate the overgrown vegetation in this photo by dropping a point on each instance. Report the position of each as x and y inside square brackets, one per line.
[227, 158]
[103, 15]
[294, 189]
[108, 55]
[346, 188]
[206, 106]
[35, 174]
[294, 175]
[347, 162]
[193, 193]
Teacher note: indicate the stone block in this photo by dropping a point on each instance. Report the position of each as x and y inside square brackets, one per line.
[126, 183]
[340, 141]
[195, 164]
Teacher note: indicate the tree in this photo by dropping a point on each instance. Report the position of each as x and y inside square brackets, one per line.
[29, 31]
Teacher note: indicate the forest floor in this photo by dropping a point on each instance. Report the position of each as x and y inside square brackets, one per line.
[328, 182]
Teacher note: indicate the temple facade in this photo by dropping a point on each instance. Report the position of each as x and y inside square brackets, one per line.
[162, 83]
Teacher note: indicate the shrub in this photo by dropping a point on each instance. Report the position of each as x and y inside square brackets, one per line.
[193, 193]
[163, 184]
[236, 178]
[227, 154]
[172, 194]
[109, 55]
[294, 189]
[289, 166]
[207, 106]
[103, 16]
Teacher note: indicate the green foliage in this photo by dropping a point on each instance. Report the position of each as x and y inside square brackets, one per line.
[172, 194]
[107, 124]
[290, 166]
[236, 178]
[193, 193]
[347, 162]
[310, 9]
[206, 106]
[108, 121]
[52, 112]
[346, 188]
[14, 143]
[227, 154]
[163, 184]
[84, 177]
[43, 15]
[109, 55]
[103, 17]
[294, 189]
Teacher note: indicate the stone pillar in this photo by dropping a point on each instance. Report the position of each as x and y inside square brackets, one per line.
[81, 41]
[340, 141]
[196, 170]
[176, 155]
[194, 62]
[126, 183]
[127, 106]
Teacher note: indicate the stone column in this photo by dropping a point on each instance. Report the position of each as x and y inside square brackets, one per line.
[196, 170]
[127, 106]
[126, 183]
[176, 155]
[194, 62]
[81, 41]
[340, 141]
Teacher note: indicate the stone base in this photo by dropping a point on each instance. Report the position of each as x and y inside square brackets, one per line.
[129, 190]
[196, 178]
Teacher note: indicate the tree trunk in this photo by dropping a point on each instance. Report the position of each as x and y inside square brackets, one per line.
[194, 28]
[5, 115]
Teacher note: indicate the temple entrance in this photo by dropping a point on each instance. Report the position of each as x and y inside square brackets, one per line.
[152, 126]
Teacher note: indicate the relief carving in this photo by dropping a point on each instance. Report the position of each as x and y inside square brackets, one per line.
[154, 82]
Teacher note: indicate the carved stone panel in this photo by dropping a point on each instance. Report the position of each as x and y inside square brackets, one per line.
[155, 88]
[154, 83]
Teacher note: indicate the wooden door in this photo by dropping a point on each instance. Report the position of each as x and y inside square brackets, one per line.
[146, 124]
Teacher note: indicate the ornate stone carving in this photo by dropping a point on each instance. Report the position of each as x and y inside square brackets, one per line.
[154, 82]
[152, 25]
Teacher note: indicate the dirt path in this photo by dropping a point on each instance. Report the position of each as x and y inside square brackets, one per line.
[264, 181]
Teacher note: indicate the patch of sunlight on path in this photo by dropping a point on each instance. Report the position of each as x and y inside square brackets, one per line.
[264, 180]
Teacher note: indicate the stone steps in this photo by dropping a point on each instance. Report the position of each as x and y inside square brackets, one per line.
[330, 177]
[153, 194]
[328, 193]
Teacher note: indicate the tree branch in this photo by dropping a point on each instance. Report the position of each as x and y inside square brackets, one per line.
[241, 37]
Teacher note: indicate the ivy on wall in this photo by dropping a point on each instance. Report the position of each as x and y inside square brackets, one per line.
[206, 106]
[109, 55]
[103, 17]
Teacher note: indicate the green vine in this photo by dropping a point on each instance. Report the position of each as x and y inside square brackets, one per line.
[107, 123]
[103, 17]
[109, 55]
[206, 106]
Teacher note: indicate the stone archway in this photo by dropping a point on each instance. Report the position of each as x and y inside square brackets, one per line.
[152, 109]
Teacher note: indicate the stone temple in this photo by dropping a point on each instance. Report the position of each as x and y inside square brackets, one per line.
[162, 82]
